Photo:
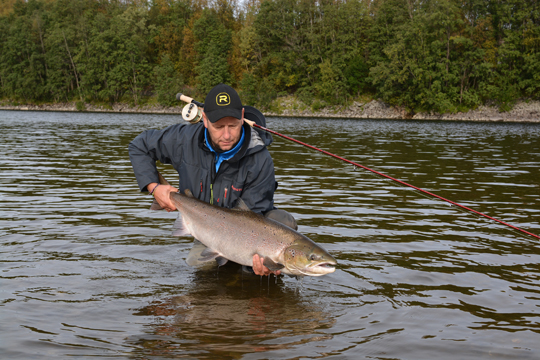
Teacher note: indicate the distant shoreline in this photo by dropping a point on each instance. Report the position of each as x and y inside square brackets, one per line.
[375, 109]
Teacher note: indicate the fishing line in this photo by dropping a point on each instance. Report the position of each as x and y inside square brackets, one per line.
[195, 116]
[253, 124]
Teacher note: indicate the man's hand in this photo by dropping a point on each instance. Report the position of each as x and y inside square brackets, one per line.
[260, 269]
[161, 194]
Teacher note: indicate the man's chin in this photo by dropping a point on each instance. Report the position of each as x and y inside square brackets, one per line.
[224, 148]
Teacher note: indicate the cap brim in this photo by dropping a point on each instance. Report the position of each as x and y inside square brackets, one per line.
[219, 114]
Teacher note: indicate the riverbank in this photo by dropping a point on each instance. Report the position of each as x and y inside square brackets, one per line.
[289, 107]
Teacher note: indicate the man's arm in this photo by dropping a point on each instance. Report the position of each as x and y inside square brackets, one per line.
[144, 151]
[161, 194]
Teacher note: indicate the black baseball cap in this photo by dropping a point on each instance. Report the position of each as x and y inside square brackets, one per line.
[222, 101]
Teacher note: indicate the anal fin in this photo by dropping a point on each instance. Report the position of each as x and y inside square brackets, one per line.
[209, 254]
[195, 253]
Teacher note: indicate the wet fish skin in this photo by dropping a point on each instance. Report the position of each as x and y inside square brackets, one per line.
[237, 234]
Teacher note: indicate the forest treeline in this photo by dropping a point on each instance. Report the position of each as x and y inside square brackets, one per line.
[429, 55]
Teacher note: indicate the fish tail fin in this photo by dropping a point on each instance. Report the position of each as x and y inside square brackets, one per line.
[155, 206]
[162, 180]
[179, 227]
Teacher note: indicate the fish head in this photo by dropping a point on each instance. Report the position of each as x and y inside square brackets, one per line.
[307, 258]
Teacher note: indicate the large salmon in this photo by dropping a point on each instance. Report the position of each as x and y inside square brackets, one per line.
[237, 234]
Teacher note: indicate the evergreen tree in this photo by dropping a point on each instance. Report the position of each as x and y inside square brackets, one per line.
[168, 82]
[437, 55]
[213, 44]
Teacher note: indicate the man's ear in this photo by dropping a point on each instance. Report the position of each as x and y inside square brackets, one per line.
[205, 120]
[242, 116]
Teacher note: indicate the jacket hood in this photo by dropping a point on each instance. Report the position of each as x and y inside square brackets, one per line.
[253, 114]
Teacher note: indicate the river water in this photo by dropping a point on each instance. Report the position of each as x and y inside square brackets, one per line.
[88, 271]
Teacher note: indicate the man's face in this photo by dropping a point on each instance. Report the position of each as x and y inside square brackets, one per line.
[224, 133]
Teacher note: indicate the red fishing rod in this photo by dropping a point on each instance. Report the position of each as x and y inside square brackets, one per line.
[253, 124]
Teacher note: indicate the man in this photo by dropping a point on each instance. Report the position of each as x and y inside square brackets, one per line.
[221, 160]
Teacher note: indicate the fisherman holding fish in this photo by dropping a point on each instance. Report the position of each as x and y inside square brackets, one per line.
[220, 161]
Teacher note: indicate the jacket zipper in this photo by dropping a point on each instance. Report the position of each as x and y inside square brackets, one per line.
[212, 179]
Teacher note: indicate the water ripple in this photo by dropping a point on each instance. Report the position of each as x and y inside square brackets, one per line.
[88, 270]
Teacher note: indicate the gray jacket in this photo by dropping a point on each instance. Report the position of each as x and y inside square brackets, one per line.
[248, 175]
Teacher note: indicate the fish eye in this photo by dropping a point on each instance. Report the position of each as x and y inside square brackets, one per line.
[313, 257]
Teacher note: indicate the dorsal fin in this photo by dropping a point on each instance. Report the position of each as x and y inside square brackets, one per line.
[188, 193]
[241, 205]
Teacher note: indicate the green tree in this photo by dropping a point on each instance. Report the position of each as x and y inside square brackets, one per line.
[117, 60]
[170, 18]
[213, 44]
[425, 60]
[23, 69]
[167, 81]
[437, 55]
[256, 91]
[306, 46]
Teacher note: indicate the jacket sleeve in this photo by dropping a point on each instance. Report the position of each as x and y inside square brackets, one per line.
[259, 191]
[150, 146]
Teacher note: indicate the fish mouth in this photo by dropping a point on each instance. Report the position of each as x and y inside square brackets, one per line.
[327, 265]
[321, 268]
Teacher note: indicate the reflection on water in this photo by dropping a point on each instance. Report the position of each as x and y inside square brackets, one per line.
[229, 312]
[89, 271]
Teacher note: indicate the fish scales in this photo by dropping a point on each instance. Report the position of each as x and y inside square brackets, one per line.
[238, 234]
[221, 229]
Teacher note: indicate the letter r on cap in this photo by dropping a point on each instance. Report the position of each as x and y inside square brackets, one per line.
[223, 99]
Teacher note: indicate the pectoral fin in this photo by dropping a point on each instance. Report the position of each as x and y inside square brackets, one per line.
[273, 266]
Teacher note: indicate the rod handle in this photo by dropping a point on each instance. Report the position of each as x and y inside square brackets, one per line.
[249, 122]
[184, 98]
[188, 100]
